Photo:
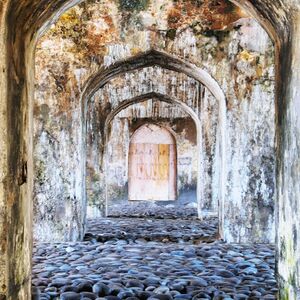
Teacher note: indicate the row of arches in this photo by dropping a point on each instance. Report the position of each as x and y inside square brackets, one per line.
[169, 62]
[29, 18]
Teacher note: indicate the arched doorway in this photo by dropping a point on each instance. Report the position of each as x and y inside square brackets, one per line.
[18, 93]
[152, 164]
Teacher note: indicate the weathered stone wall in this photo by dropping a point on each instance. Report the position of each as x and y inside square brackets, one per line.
[3, 157]
[288, 234]
[238, 54]
[24, 18]
[251, 119]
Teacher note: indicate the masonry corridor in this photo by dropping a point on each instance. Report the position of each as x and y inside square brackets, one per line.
[150, 149]
[167, 116]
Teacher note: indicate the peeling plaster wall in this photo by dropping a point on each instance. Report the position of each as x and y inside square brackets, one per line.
[97, 34]
[58, 185]
[120, 131]
[288, 235]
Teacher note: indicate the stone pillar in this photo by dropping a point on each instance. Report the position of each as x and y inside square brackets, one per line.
[288, 180]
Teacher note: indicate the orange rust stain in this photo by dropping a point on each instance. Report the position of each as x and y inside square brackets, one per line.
[10, 199]
[214, 15]
[97, 42]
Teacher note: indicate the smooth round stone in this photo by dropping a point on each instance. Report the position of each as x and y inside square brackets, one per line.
[233, 280]
[216, 279]
[225, 273]
[244, 265]
[174, 293]
[85, 287]
[65, 268]
[201, 295]
[183, 296]
[177, 287]
[199, 282]
[162, 290]
[88, 295]
[241, 297]
[255, 294]
[50, 268]
[115, 289]
[161, 297]
[59, 282]
[100, 289]
[151, 281]
[125, 294]
[51, 289]
[143, 295]
[69, 288]
[70, 296]
[249, 271]
[134, 283]
[52, 294]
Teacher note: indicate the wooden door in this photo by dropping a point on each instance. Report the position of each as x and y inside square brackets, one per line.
[152, 164]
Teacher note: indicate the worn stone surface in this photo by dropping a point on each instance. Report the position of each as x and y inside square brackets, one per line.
[288, 244]
[3, 157]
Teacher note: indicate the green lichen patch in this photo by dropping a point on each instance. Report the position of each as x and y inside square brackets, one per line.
[133, 5]
[220, 35]
[171, 34]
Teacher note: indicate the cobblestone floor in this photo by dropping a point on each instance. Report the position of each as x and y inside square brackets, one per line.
[153, 259]
[160, 230]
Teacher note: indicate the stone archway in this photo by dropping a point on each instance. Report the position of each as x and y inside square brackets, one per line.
[164, 98]
[27, 18]
[152, 164]
[173, 63]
